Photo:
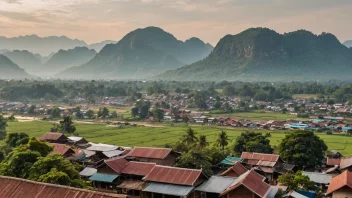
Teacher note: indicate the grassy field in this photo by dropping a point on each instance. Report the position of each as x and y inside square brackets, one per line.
[159, 136]
[257, 116]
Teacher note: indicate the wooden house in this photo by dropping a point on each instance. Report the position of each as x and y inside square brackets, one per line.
[341, 186]
[62, 149]
[214, 186]
[159, 156]
[235, 171]
[53, 137]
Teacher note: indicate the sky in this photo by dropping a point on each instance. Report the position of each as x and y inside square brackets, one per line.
[209, 20]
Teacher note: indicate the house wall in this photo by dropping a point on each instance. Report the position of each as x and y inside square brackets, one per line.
[241, 192]
[344, 192]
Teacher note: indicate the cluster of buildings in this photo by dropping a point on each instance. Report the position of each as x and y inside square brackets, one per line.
[151, 173]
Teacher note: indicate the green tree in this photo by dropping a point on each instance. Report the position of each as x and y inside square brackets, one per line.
[38, 146]
[196, 159]
[190, 137]
[158, 114]
[56, 112]
[134, 111]
[114, 115]
[79, 114]
[252, 142]
[103, 112]
[66, 125]
[90, 114]
[144, 111]
[3, 125]
[54, 177]
[11, 118]
[202, 143]
[297, 181]
[222, 140]
[16, 139]
[31, 110]
[303, 148]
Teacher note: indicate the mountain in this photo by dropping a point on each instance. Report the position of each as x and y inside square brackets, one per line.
[64, 59]
[41, 45]
[263, 54]
[9, 70]
[25, 59]
[348, 43]
[3, 51]
[98, 46]
[140, 54]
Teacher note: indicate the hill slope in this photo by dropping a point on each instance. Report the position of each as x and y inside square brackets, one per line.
[98, 46]
[140, 54]
[41, 45]
[25, 59]
[263, 54]
[9, 70]
[348, 43]
[68, 58]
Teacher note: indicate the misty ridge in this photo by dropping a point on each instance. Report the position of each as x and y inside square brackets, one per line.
[154, 54]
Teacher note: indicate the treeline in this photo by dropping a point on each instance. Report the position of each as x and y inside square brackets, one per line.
[89, 90]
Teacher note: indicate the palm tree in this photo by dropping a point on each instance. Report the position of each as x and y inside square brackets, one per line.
[202, 143]
[222, 140]
[190, 137]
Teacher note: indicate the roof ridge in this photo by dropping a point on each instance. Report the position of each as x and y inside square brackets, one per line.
[172, 167]
[59, 186]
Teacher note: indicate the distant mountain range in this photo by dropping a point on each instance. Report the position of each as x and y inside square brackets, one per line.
[98, 46]
[348, 43]
[262, 54]
[9, 70]
[140, 54]
[25, 59]
[64, 59]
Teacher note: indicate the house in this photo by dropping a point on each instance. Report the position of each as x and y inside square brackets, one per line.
[165, 181]
[160, 156]
[248, 185]
[78, 141]
[235, 171]
[21, 188]
[229, 161]
[269, 165]
[214, 186]
[62, 149]
[341, 186]
[88, 172]
[52, 137]
[320, 179]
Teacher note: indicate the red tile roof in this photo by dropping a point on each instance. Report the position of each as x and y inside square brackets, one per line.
[333, 162]
[116, 164]
[61, 149]
[173, 175]
[20, 188]
[342, 180]
[252, 181]
[238, 168]
[138, 168]
[51, 136]
[146, 152]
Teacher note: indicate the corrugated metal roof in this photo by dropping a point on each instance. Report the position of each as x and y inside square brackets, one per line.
[89, 153]
[295, 194]
[20, 188]
[87, 172]
[74, 138]
[102, 147]
[320, 178]
[113, 153]
[260, 156]
[168, 189]
[138, 168]
[52, 136]
[252, 181]
[146, 152]
[117, 164]
[216, 184]
[60, 149]
[103, 177]
[229, 160]
[173, 175]
[238, 168]
[344, 179]
[131, 184]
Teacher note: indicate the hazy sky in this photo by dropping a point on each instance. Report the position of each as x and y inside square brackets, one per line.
[97, 20]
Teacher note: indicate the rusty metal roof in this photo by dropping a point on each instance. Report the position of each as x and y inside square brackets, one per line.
[132, 184]
[117, 164]
[260, 156]
[147, 152]
[21, 188]
[252, 181]
[238, 168]
[60, 149]
[173, 175]
[342, 180]
[52, 136]
[138, 168]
